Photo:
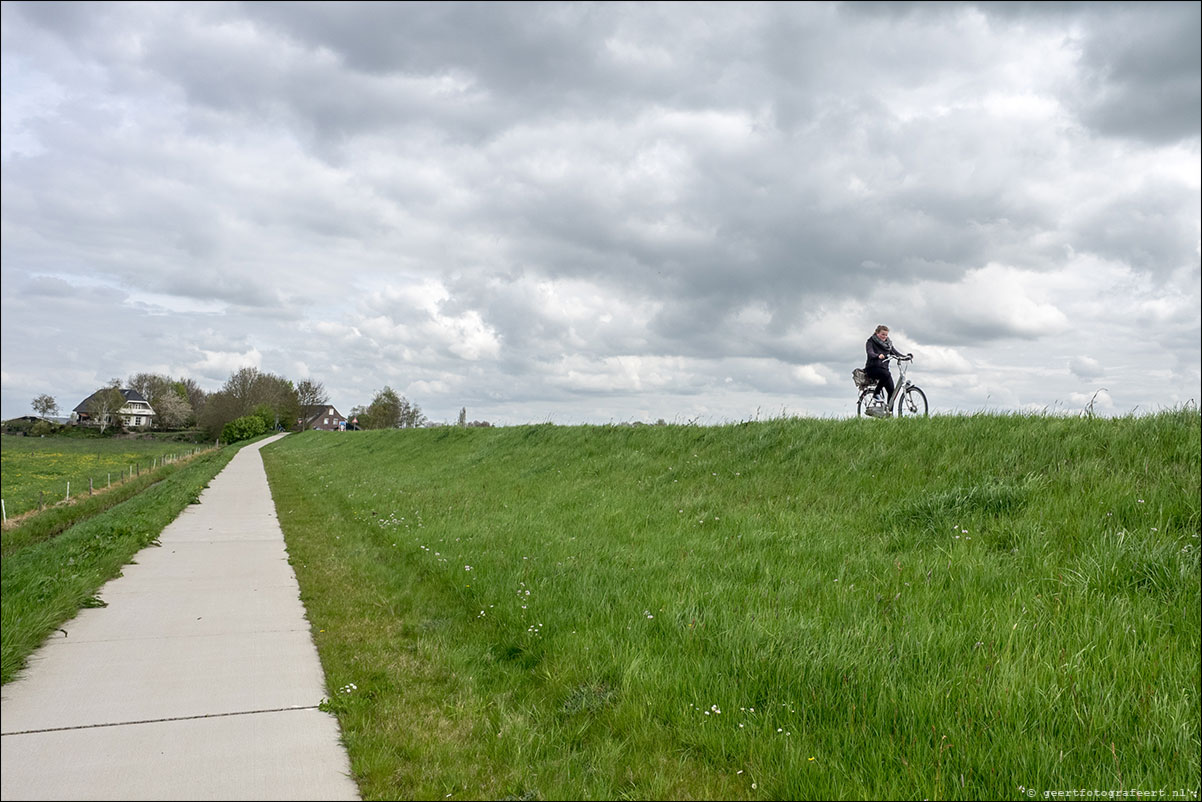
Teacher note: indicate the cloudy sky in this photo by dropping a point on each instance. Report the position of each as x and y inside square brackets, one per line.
[604, 212]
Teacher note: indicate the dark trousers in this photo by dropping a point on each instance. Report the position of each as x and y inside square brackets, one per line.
[884, 380]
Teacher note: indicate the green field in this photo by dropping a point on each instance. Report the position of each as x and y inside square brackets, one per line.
[34, 468]
[948, 608]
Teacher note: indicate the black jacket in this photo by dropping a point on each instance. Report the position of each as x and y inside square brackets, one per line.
[874, 349]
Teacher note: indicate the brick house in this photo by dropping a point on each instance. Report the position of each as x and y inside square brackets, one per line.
[325, 418]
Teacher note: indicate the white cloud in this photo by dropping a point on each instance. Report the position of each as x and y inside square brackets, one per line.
[220, 364]
[1098, 401]
[620, 374]
[941, 359]
[1084, 367]
[413, 318]
[809, 375]
[995, 301]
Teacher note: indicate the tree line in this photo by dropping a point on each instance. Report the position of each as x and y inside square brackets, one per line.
[251, 402]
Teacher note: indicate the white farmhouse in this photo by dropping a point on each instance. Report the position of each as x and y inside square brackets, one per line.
[136, 413]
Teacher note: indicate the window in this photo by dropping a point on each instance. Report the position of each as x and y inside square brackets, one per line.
[327, 421]
[138, 421]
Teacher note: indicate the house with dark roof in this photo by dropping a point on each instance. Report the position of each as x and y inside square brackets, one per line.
[324, 417]
[136, 413]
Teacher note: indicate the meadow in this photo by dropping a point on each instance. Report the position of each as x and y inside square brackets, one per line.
[37, 470]
[977, 607]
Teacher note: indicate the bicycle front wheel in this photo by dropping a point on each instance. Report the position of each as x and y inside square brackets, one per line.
[912, 403]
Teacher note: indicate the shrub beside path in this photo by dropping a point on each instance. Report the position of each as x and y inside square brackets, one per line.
[198, 680]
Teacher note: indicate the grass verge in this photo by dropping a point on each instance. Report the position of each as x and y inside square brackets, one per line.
[48, 573]
[944, 608]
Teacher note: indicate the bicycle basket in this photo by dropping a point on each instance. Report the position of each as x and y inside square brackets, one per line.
[862, 379]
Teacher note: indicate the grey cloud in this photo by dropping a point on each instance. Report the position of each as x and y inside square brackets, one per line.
[1148, 228]
[66, 19]
[50, 287]
[1143, 76]
[1084, 367]
[953, 327]
[422, 37]
[340, 72]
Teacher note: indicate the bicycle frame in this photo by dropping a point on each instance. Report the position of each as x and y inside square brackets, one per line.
[903, 383]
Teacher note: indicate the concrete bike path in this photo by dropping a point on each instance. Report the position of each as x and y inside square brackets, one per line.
[199, 680]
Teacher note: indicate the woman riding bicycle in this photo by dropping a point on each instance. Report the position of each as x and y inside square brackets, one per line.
[879, 348]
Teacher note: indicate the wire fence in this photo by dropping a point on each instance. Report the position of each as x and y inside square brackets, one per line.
[100, 484]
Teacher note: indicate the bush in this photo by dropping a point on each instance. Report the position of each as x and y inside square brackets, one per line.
[18, 426]
[243, 428]
[44, 427]
[265, 414]
[86, 432]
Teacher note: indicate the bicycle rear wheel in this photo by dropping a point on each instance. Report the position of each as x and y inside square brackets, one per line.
[862, 404]
[912, 403]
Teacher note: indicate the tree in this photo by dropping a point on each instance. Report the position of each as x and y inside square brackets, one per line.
[172, 411]
[240, 387]
[249, 391]
[105, 403]
[463, 416]
[391, 411]
[158, 390]
[220, 408]
[250, 388]
[194, 395]
[151, 386]
[411, 416]
[45, 405]
[278, 395]
[383, 411]
[266, 414]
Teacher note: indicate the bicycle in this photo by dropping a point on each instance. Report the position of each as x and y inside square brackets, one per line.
[908, 398]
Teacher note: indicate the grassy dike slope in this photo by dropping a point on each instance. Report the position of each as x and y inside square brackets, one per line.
[947, 608]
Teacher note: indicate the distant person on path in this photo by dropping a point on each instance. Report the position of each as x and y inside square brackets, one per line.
[879, 347]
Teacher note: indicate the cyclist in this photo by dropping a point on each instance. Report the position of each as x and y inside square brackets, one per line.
[879, 348]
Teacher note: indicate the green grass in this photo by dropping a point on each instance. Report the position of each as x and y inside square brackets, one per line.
[36, 527]
[954, 607]
[39, 468]
[55, 562]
